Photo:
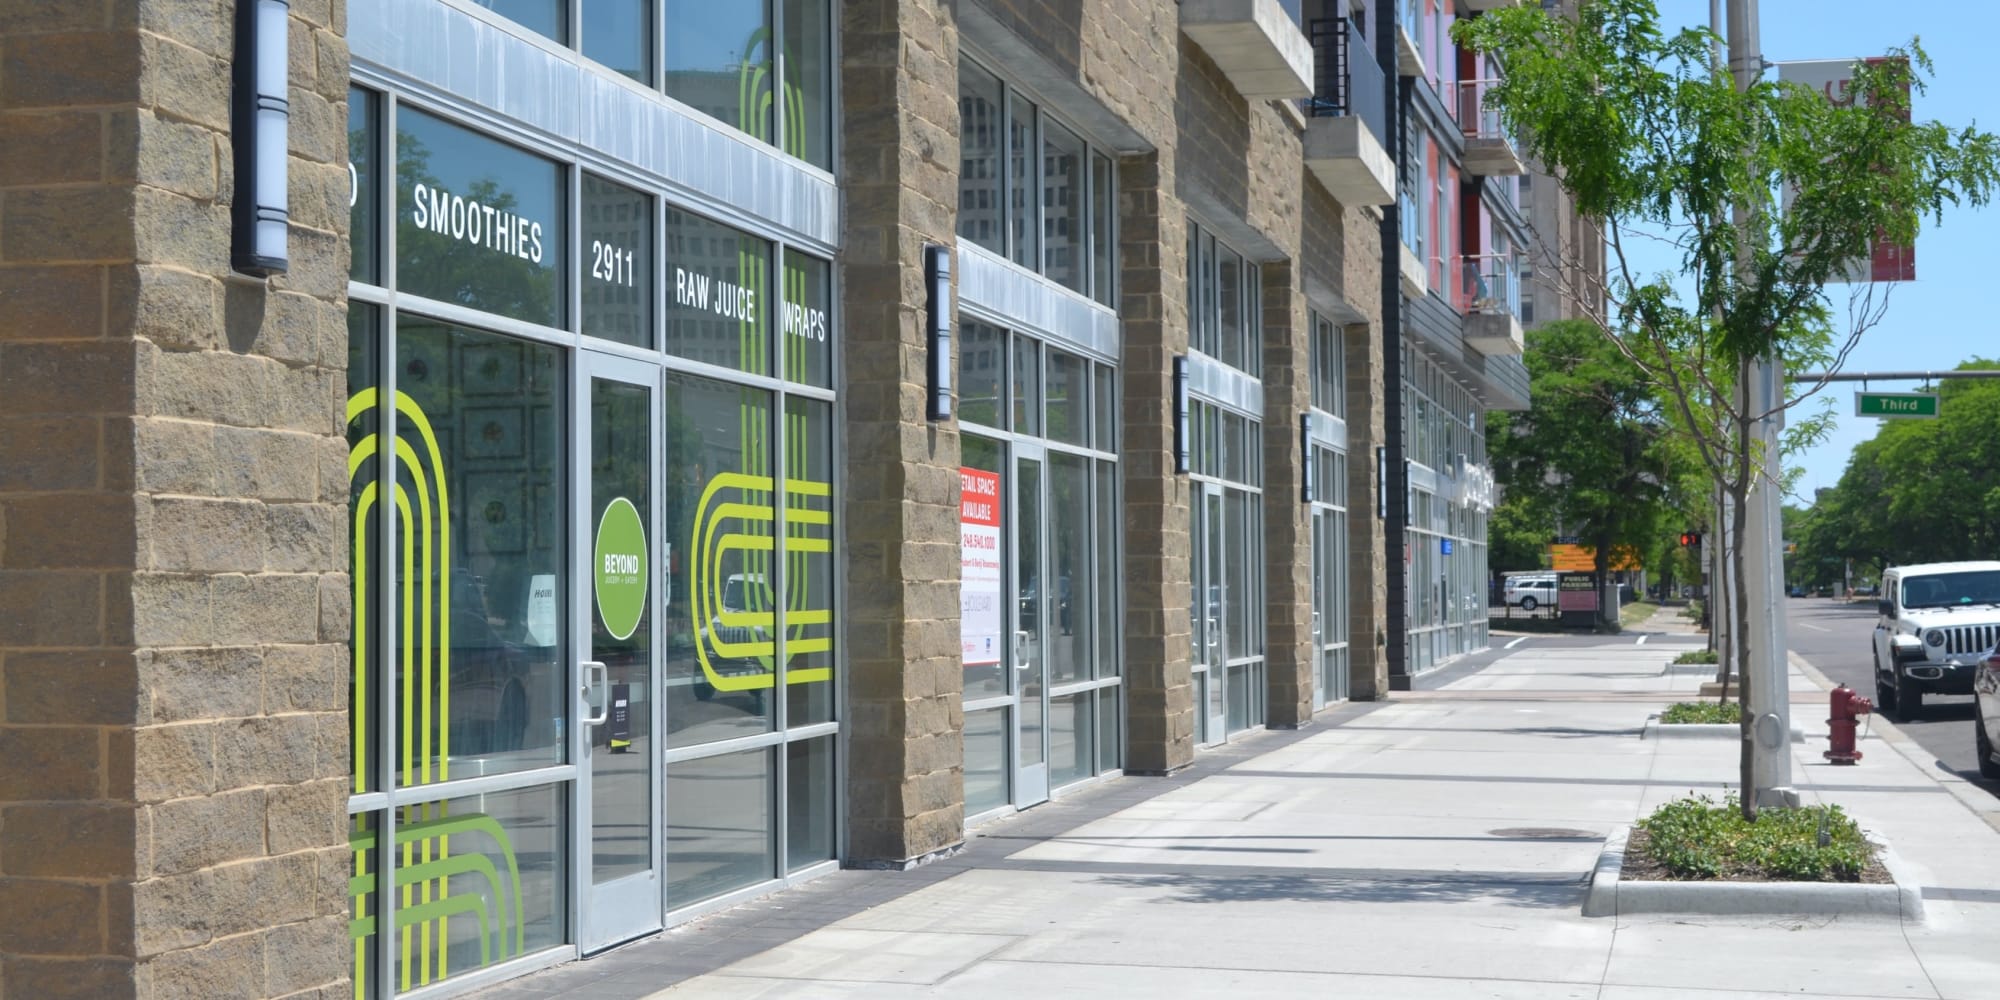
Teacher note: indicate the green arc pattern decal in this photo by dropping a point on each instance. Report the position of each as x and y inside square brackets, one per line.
[425, 865]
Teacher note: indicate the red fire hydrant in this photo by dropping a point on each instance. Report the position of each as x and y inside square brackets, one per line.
[1846, 707]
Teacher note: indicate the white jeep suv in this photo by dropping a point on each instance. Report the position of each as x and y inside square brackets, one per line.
[1936, 622]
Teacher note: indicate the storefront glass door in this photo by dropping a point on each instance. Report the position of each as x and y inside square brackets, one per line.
[1211, 639]
[1031, 621]
[620, 556]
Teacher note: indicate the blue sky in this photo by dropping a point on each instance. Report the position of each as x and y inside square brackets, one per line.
[1947, 314]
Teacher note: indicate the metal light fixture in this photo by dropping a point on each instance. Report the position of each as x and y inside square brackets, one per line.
[1181, 442]
[937, 320]
[1382, 484]
[1308, 463]
[262, 118]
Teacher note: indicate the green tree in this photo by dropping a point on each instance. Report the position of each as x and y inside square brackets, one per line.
[1647, 133]
[1592, 452]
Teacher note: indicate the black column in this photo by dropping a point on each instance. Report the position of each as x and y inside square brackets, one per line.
[1395, 470]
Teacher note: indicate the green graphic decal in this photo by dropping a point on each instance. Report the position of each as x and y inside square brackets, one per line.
[425, 868]
[735, 519]
[619, 566]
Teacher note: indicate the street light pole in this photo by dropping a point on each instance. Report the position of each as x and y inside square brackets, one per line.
[1760, 390]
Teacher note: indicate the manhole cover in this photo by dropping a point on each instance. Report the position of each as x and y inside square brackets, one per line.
[1543, 833]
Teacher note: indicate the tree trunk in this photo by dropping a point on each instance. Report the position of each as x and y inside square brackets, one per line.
[1739, 493]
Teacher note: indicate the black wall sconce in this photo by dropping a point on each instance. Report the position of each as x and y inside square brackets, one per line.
[1181, 442]
[262, 115]
[937, 322]
[1382, 484]
[1308, 462]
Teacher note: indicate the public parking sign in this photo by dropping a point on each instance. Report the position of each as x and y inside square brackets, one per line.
[1892, 405]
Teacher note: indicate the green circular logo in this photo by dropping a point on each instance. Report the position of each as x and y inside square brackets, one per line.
[620, 568]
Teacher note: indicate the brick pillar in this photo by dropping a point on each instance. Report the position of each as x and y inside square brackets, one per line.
[905, 715]
[173, 619]
[1367, 567]
[1289, 652]
[1159, 690]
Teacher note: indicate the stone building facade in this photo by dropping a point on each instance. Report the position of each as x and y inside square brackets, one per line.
[576, 537]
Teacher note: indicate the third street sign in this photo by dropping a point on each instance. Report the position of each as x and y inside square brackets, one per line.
[1896, 404]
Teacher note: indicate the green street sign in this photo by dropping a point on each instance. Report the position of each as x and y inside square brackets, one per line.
[620, 568]
[1896, 404]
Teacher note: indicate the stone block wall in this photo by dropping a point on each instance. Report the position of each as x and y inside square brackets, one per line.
[905, 721]
[173, 618]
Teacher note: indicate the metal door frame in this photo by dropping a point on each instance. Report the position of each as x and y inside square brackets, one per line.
[631, 906]
[1030, 782]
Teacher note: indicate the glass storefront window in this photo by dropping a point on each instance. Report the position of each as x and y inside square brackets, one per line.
[548, 18]
[1063, 224]
[718, 61]
[721, 641]
[1069, 643]
[982, 613]
[982, 367]
[1022, 195]
[619, 33]
[807, 330]
[364, 422]
[482, 881]
[808, 570]
[364, 141]
[1048, 201]
[719, 829]
[1103, 230]
[985, 760]
[808, 99]
[979, 213]
[809, 802]
[1104, 403]
[1067, 384]
[717, 290]
[479, 652]
[1027, 387]
[478, 223]
[616, 272]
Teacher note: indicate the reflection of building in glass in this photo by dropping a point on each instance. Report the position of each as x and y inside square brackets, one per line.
[617, 272]
[979, 170]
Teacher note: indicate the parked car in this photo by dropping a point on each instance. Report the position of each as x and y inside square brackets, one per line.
[1530, 592]
[1936, 622]
[1795, 591]
[1986, 711]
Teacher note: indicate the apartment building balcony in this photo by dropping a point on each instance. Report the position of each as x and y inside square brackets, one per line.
[1257, 44]
[1345, 116]
[1489, 296]
[1489, 150]
[1409, 28]
[1482, 6]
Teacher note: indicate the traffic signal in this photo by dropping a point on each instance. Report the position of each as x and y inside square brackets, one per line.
[1690, 539]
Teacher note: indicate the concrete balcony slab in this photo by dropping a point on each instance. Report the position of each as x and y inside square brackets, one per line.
[1497, 332]
[1255, 43]
[1350, 161]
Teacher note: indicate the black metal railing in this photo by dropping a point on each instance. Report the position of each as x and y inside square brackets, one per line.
[1346, 78]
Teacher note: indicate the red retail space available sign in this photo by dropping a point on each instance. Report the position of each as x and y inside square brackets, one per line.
[1834, 78]
[980, 576]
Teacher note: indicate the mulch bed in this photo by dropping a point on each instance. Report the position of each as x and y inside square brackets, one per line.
[1639, 866]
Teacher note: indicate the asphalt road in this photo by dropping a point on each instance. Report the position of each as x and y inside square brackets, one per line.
[1836, 637]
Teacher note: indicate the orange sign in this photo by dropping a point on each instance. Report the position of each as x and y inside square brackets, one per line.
[1583, 559]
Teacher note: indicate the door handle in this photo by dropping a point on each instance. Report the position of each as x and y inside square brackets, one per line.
[1021, 637]
[603, 675]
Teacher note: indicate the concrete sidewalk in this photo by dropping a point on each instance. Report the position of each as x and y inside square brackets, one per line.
[1437, 845]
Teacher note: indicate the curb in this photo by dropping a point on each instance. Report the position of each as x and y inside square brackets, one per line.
[1612, 896]
[1656, 730]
